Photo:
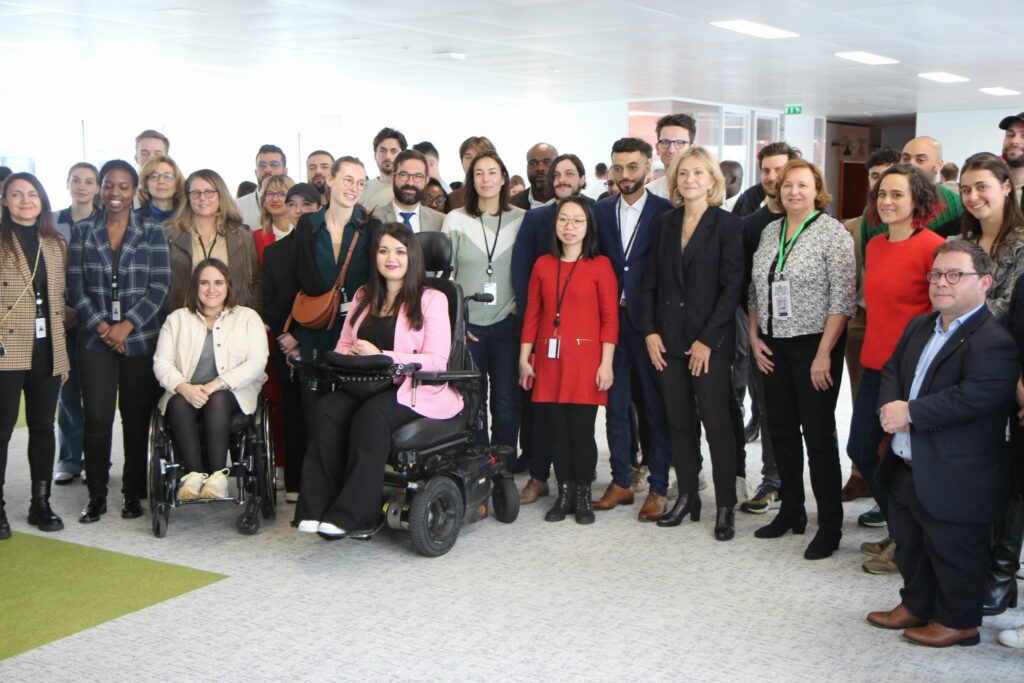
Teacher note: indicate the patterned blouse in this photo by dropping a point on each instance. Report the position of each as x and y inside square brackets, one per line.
[1009, 264]
[821, 270]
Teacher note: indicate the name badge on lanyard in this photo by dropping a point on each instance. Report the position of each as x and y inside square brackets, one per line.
[554, 347]
[40, 318]
[782, 303]
[115, 302]
[492, 289]
[346, 305]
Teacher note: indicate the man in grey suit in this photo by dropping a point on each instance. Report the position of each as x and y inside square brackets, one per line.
[408, 180]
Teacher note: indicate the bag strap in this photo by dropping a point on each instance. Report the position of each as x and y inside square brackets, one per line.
[340, 282]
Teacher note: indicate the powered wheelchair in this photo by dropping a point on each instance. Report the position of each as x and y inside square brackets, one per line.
[251, 461]
[436, 479]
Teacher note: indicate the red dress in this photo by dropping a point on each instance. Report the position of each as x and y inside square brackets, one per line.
[589, 317]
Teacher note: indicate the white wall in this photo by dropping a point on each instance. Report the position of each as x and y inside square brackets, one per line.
[963, 133]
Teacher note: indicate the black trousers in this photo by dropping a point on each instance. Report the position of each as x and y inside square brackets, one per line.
[109, 378]
[571, 434]
[215, 416]
[41, 389]
[343, 475]
[793, 405]
[293, 421]
[944, 565]
[711, 395]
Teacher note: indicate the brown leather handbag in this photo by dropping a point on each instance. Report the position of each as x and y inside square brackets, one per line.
[321, 312]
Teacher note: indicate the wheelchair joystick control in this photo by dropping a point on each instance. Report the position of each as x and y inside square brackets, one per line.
[314, 381]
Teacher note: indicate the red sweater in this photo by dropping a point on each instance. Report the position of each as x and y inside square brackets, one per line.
[895, 291]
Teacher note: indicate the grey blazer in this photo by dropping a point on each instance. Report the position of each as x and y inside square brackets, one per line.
[430, 220]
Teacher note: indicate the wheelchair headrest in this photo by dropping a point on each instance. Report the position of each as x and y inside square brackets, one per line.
[437, 252]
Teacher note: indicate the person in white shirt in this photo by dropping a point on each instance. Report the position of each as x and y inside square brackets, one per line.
[675, 133]
[387, 145]
[270, 160]
[733, 173]
[538, 160]
[409, 180]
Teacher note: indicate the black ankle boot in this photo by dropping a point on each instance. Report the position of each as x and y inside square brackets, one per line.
[584, 505]
[824, 543]
[39, 513]
[725, 524]
[563, 504]
[783, 522]
[686, 504]
[95, 509]
[1001, 591]
[5, 526]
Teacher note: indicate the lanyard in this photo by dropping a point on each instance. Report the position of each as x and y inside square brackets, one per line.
[206, 253]
[560, 296]
[786, 247]
[618, 226]
[490, 249]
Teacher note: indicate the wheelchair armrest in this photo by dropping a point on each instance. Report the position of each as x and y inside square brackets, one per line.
[443, 376]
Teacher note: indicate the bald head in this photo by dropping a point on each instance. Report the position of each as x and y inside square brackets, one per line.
[924, 152]
[538, 160]
[733, 173]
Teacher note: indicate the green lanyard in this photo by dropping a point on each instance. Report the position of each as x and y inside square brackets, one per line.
[786, 247]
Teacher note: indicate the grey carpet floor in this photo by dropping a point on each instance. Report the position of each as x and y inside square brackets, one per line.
[618, 600]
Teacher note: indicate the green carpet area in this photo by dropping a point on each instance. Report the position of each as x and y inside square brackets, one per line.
[50, 589]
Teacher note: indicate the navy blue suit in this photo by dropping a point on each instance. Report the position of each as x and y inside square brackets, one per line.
[631, 351]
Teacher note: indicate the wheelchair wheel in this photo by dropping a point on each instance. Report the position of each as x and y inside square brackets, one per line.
[265, 472]
[505, 499]
[161, 518]
[435, 517]
[248, 523]
[156, 488]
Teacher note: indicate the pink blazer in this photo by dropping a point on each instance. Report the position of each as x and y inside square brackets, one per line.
[428, 346]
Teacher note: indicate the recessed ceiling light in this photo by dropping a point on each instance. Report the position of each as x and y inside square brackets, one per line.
[868, 58]
[752, 28]
[455, 56]
[179, 12]
[943, 77]
[998, 91]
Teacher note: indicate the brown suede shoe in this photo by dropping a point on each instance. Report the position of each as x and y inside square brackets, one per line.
[855, 488]
[613, 496]
[654, 507]
[533, 490]
[900, 617]
[937, 635]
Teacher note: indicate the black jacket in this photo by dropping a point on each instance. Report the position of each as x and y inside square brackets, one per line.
[749, 201]
[278, 295]
[694, 294]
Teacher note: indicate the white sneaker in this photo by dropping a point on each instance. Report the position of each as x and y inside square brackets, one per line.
[309, 526]
[191, 484]
[216, 485]
[1013, 637]
[328, 529]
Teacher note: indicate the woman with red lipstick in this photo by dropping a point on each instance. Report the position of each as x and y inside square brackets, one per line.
[276, 218]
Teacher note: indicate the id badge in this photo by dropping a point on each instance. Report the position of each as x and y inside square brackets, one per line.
[782, 304]
[554, 347]
[115, 310]
[40, 328]
[345, 305]
[492, 289]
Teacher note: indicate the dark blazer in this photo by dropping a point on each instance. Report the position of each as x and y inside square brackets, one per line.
[629, 274]
[1015, 323]
[278, 296]
[521, 199]
[693, 295]
[748, 202]
[958, 420]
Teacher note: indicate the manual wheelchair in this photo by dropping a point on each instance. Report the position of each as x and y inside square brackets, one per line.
[436, 478]
[251, 461]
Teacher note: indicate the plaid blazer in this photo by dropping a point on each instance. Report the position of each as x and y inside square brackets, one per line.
[19, 328]
[143, 277]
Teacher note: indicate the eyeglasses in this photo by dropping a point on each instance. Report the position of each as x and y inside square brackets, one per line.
[433, 201]
[272, 164]
[169, 177]
[205, 194]
[578, 221]
[275, 195]
[609, 184]
[678, 144]
[632, 168]
[952, 276]
[404, 177]
[349, 181]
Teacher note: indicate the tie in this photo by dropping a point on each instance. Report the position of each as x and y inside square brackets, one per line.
[406, 217]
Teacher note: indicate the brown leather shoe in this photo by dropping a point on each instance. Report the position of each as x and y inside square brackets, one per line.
[855, 488]
[937, 635]
[654, 507]
[613, 496]
[533, 490]
[899, 617]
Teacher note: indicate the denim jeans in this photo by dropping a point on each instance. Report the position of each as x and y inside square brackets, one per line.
[866, 435]
[70, 418]
[496, 354]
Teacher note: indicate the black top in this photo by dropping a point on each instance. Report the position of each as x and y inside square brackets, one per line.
[753, 226]
[749, 201]
[379, 331]
[28, 238]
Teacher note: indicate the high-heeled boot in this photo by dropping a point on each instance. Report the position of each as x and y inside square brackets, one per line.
[725, 524]
[584, 506]
[39, 513]
[686, 504]
[1001, 591]
[5, 526]
[783, 522]
[563, 504]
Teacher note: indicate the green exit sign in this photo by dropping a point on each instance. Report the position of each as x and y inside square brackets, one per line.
[794, 109]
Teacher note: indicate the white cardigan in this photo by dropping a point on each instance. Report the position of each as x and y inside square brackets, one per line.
[239, 350]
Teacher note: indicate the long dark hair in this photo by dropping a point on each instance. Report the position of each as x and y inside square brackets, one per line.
[472, 198]
[1013, 217]
[192, 293]
[589, 248]
[923, 195]
[44, 222]
[376, 288]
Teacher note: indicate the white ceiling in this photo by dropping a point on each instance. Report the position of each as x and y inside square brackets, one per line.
[520, 50]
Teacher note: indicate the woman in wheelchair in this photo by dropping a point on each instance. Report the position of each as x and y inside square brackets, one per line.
[209, 359]
[396, 315]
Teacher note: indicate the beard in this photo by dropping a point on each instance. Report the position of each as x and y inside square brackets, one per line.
[408, 195]
[629, 186]
[538, 180]
[563, 191]
[319, 182]
[1014, 162]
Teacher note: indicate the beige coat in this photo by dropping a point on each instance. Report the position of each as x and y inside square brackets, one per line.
[239, 350]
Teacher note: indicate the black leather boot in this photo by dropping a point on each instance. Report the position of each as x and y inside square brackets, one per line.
[563, 504]
[584, 505]
[686, 504]
[1001, 591]
[725, 524]
[5, 526]
[39, 513]
[824, 543]
[783, 522]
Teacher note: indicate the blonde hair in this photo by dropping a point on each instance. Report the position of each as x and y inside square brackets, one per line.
[228, 217]
[716, 193]
[274, 182]
[821, 196]
[149, 168]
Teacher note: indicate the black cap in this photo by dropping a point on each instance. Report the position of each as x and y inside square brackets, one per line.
[1005, 123]
[306, 190]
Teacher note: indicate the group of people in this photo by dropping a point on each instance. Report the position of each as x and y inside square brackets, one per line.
[666, 301]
